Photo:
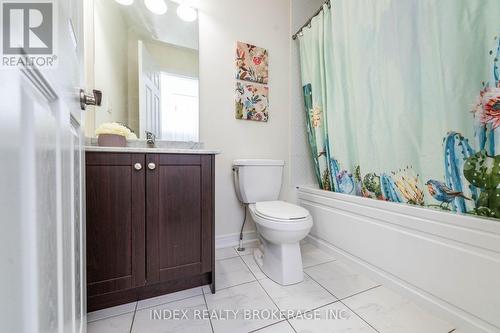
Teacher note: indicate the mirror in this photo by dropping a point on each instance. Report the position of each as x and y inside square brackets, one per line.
[146, 65]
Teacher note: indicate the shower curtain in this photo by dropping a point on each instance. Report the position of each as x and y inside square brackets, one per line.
[402, 101]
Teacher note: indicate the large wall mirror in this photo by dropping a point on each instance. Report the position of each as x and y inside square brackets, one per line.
[146, 65]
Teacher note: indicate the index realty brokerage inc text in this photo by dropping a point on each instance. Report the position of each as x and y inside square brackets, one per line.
[247, 314]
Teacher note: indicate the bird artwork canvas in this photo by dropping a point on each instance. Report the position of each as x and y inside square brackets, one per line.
[252, 102]
[252, 63]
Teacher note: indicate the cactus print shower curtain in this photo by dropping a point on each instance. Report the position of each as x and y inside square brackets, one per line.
[402, 101]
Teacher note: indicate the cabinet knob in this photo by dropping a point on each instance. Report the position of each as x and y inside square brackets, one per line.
[151, 166]
[138, 166]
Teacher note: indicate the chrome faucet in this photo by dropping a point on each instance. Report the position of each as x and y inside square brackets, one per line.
[150, 138]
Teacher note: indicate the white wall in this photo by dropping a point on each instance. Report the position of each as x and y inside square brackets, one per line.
[300, 158]
[222, 23]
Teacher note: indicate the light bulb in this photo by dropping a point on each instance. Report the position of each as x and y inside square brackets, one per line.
[125, 2]
[158, 7]
[187, 13]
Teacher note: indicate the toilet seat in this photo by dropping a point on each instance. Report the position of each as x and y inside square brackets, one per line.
[280, 211]
[278, 224]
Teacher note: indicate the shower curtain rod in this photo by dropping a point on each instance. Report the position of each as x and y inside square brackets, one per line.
[308, 23]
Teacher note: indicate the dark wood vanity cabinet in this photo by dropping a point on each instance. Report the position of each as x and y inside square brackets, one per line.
[179, 196]
[150, 225]
[115, 201]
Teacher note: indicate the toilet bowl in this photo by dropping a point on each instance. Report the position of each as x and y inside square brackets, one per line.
[281, 226]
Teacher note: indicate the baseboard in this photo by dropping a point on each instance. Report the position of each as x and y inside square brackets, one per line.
[464, 321]
[230, 240]
[111, 299]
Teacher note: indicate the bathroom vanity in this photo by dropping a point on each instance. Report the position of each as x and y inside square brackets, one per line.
[149, 207]
[150, 223]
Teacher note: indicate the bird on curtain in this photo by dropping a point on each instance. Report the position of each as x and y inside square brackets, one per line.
[443, 193]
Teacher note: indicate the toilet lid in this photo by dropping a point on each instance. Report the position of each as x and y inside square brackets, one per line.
[281, 210]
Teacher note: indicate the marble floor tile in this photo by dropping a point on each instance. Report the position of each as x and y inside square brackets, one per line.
[249, 296]
[116, 324]
[340, 279]
[225, 253]
[231, 272]
[159, 319]
[303, 296]
[254, 268]
[311, 255]
[389, 312]
[365, 307]
[334, 318]
[111, 312]
[281, 327]
[177, 296]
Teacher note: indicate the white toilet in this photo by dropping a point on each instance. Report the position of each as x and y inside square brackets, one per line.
[281, 225]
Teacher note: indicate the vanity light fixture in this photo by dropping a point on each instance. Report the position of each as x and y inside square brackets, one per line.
[125, 2]
[186, 13]
[158, 7]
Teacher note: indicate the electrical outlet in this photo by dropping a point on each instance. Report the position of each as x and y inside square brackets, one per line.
[109, 107]
[106, 105]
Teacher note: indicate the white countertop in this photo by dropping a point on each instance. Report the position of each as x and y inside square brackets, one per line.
[151, 150]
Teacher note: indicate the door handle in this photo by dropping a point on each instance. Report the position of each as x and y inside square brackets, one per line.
[138, 166]
[94, 99]
[151, 166]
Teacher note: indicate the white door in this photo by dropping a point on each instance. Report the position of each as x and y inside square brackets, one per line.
[180, 110]
[42, 240]
[149, 93]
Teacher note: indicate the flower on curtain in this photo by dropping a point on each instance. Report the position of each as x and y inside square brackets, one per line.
[316, 116]
[488, 107]
[491, 108]
[407, 183]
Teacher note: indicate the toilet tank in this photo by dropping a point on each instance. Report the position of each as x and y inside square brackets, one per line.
[258, 180]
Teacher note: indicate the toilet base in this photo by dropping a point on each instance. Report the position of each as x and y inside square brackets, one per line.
[282, 263]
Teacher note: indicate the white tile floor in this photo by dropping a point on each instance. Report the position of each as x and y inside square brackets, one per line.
[333, 297]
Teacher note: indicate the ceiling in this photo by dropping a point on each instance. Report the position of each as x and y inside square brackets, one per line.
[168, 28]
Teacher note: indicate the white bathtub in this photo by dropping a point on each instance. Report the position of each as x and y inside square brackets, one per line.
[447, 262]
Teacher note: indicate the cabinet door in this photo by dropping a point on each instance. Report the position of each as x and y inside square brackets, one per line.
[179, 216]
[115, 198]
